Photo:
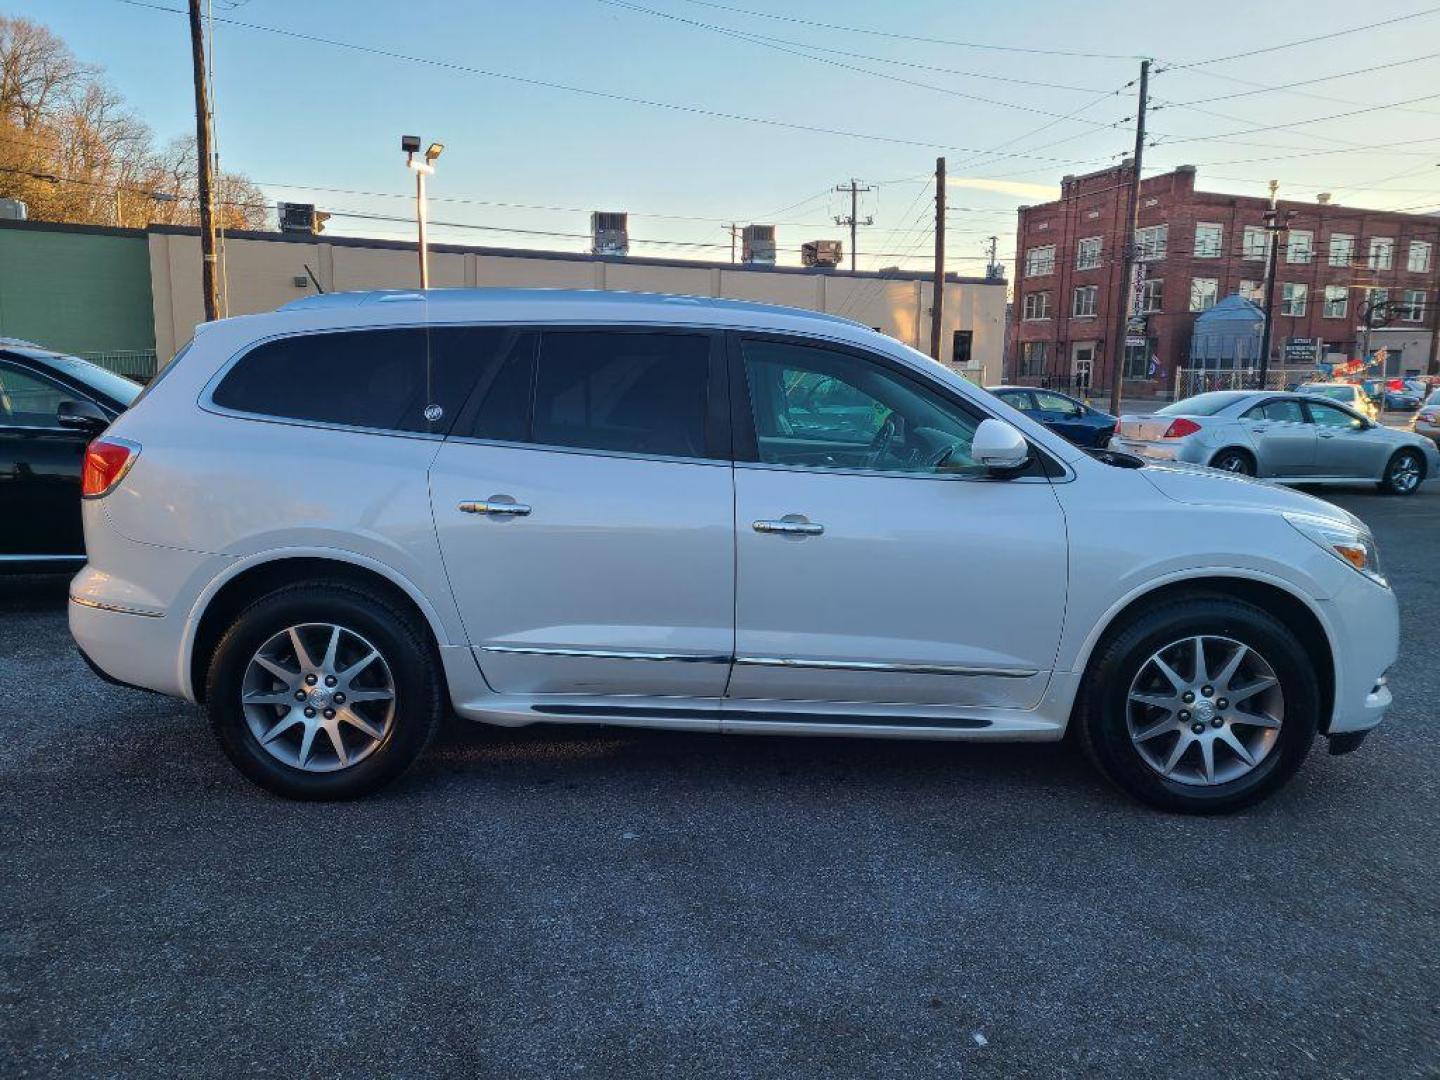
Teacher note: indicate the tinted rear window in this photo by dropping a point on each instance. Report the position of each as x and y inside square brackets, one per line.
[1203, 404]
[408, 379]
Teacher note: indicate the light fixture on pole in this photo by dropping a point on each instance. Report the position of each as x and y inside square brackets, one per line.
[422, 168]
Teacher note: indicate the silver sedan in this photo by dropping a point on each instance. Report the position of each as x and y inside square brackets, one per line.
[1292, 438]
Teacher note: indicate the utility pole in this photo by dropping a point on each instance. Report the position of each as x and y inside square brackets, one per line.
[992, 265]
[206, 163]
[1117, 363]
[1277, 227]
[937, 299]
[853, 220]
[734, 231]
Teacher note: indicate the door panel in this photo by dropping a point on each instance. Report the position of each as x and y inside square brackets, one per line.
[39, 468]
[1344, 445]
[905, 575]
[1284, 442]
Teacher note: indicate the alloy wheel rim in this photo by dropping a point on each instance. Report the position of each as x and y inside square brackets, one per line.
[1406, 474]
[1234, 463]
[318, 697]
[1205, 710]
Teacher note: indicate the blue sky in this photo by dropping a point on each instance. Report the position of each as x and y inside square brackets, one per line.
[294, 113]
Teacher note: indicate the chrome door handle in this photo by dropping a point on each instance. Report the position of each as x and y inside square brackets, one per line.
[504, 509]
[794, 528]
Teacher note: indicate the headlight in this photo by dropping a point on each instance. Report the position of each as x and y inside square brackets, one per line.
[1355, 547]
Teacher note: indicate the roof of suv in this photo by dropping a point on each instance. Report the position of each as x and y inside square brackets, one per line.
[487, 304]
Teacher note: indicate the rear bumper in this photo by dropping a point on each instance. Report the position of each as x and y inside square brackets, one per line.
[1169, 450]
[129, 648]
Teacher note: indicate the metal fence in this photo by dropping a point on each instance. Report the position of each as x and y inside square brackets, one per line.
[1190, 381]
[137, 364]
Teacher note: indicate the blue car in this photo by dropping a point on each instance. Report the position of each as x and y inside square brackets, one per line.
[1078, 422]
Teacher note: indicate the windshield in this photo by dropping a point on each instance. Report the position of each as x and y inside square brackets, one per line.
[115, 387]
[1334, 393]
[1203, 404]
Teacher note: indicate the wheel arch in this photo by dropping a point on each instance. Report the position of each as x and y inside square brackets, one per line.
[1239, 448]
[1294, 611]
[227, 596]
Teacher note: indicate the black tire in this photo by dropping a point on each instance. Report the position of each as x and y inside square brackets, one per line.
[1235, 461]
[1397, 480]
[400, 639]
[1101, 714]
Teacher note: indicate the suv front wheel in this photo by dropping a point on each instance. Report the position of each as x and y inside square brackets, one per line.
[1204, 705]
[323, 692]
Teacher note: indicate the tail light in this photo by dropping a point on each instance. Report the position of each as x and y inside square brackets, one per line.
[1178, 429]
[107, 460]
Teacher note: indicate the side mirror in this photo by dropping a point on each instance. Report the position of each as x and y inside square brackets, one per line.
[81, 415]
[999, 447]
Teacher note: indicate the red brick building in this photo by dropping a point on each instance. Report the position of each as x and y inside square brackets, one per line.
[1200, 247]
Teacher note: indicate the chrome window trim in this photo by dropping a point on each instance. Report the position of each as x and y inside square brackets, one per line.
[607, 654]
[895, 474]
[508, 444]
[897, 669]
[42, 558]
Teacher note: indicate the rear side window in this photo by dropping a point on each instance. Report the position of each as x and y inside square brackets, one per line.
[625, 391]
[409, 379]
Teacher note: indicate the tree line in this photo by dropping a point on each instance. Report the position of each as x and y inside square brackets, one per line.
[73, 151]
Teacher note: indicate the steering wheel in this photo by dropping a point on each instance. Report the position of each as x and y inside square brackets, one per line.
[880, 444]
[938, 459]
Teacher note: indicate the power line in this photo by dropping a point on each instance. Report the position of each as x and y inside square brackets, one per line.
[908, 37]
[1301, 123]
[1303, 41]
[606, 95]
[1261, 89]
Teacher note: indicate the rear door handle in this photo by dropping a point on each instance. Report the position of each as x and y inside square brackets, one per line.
[793, 525]
[496, 507]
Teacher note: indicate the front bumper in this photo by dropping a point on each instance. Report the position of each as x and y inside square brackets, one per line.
[1364, 623]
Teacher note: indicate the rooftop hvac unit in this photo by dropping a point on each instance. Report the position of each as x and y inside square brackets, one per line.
[301, 218]
[13, 210]
[822, 253]
[759, 244]
[609, 233]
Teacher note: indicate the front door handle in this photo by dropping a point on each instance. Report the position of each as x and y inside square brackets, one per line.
[791, 524]
[495, 506]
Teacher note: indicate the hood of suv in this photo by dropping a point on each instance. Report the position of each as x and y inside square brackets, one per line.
[1198, 485]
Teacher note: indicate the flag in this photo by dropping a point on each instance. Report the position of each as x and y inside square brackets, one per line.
[1154, 365]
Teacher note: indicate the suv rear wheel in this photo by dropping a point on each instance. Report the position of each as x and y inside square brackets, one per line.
[323, 692]
[1205, 705]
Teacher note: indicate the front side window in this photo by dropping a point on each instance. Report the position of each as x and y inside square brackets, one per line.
[1335, 301]
[1256, 243]
[1292, 298]
[1086, 299]
[826, 409]
[1418, 260]
[1037, 305]
[29, 401]
[625, 392]
[1040, 261]
[1208, 240]
[1382, 252]
[1342, 249]
[1299, 246]
[1150, 243]
[1087, 253]
[404, 379]
[1327, 416]
[1203, 293]
[1056, 403]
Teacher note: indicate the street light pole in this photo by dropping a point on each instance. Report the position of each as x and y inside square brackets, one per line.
[422, 168]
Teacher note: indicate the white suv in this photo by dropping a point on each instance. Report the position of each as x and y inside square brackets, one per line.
[331, 523]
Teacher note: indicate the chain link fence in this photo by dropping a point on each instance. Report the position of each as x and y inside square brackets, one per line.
[1191, 381]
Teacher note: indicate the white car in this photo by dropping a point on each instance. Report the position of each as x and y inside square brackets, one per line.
[331, 523]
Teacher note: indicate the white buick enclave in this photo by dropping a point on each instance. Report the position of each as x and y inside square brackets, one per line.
[331, 523]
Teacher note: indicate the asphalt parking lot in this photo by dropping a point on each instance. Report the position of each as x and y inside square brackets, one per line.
[610, 903]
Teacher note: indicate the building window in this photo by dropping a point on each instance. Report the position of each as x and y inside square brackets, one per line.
[1253, 290]
[1204, 291]
[1137, 360]
[962, 348]
[1087, 253]
[1299, 246]
[1086, 299]
[1419, 259]
[1208, 240]
[1034, 357]
[1292, 298]
[1152, 296]
[1040, 261]
[1037, 306]
[1342, 249]
[1150, 243]
[1413, 310]
[1382, 252]
[1256, 243]
[1336, 298]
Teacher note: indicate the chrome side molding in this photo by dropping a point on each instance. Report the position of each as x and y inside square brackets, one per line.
[889, 669]
[607, 654]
